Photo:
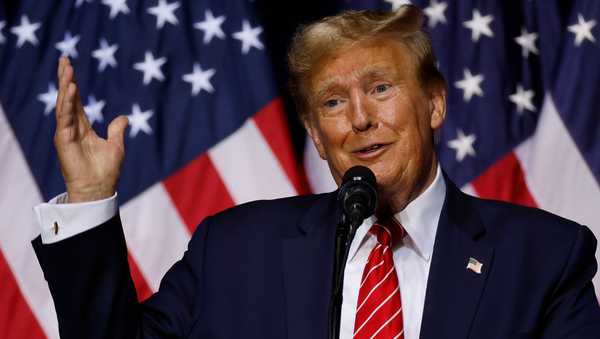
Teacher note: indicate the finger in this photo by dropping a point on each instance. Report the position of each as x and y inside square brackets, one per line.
[59, 72]
[65, 79]
[65, 119]
[116, 130]
[65, 127]
[77, 103]
[64, 91]
[79, 111]
[61, 66]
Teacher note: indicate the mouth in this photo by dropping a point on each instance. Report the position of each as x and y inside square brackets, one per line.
[370, 150]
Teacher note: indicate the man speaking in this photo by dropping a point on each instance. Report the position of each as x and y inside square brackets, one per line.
[430, 262]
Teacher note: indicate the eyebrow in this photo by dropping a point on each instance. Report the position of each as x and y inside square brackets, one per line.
[375, 72]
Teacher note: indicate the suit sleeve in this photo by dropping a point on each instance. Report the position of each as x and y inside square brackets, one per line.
[573, 311]
[94, 296]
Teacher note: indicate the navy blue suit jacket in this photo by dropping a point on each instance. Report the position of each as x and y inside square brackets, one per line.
[263, 270]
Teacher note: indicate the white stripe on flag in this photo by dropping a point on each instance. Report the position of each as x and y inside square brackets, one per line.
[19, 227]
[317, 170]
[558, 176]
[248, 167]
[156, 236]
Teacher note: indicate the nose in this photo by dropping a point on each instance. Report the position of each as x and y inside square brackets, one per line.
[361, 115]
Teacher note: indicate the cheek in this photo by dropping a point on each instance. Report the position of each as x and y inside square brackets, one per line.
[411, 118]
[408, 122]
[398, 109]
[397, 117]
[333, 132]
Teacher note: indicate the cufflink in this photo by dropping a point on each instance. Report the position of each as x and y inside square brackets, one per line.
[55, 228]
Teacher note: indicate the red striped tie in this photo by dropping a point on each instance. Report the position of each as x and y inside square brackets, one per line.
[379, 307]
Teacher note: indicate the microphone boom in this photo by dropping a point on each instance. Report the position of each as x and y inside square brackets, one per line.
[358, 199]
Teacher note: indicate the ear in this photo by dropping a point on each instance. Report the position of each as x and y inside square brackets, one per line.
[438, 107]
[314, 134]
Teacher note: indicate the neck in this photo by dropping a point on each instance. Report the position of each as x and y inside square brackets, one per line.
[395, 201]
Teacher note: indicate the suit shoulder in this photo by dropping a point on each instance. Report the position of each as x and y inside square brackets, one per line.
[532, 225]
[266, 213]
[497, 207]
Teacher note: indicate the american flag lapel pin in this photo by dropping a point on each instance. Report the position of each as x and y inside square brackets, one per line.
[474, 265]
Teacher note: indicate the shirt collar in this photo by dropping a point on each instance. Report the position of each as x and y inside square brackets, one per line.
[419, 218]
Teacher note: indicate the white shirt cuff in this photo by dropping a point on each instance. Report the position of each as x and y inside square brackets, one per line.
[59, 220]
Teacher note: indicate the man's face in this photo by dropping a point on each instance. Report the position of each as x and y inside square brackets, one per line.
[368, 108]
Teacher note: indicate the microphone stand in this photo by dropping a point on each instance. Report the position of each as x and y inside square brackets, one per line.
[343, 238]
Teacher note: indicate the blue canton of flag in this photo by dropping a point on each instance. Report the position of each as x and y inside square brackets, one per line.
[195, 82]
[187, 74]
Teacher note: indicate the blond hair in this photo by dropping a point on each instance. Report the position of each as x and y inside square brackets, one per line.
[322, 38]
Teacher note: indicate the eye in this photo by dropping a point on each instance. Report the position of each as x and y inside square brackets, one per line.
[381, 88]
[331, 103]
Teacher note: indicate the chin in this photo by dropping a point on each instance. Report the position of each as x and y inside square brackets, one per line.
[388, 180]
[382, 172]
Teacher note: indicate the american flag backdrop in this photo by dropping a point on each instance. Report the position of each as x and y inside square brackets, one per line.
[208, 131]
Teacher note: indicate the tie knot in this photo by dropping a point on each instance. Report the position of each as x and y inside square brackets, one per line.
[388, 232]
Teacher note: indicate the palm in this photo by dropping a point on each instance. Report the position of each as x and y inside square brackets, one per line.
[89, 159]
[90, 164]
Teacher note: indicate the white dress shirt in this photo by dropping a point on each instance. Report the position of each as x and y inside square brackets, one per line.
[411, 258]
[72, 219]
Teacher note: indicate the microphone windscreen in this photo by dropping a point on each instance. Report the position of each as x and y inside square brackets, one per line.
[357, 173]
[358, 193]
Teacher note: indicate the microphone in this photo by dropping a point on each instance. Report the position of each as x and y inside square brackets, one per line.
[358, 194]
[358, 198]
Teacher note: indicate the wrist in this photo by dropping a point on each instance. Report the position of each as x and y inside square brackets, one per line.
[78, 196]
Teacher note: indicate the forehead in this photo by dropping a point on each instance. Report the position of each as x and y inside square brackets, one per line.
[360, 60]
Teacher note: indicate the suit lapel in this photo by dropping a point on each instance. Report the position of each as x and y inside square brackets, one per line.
[307, 259]
[453, 290]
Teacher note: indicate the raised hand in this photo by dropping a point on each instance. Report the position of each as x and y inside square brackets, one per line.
[90, 164]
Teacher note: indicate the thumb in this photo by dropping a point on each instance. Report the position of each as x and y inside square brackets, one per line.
[116, 130]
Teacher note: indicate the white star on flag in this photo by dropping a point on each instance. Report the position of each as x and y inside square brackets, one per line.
[80, 2]
[49, 98]
[479, 25]
[105, 55]
[138, 121]
[199, 79]
[68, 47]
[249, 37]
[523, 99]
[470, 85]
[396, 4]
[2, 38]
[26, 31]
[211, 26]
[463, 145]
[582, 30]
[116, 7]
[435, 13]
[93, 110]
[164, 12]
[151, 68]
[527, 42]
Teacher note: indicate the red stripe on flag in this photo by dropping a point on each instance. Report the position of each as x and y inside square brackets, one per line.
[197, 191]
[504, 180]
[142, 288]
[16, 319]
[272, 123]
